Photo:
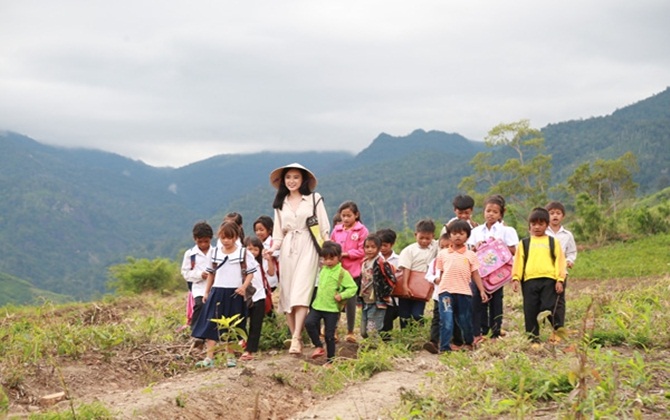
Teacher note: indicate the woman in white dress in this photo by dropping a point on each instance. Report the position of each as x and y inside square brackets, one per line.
[298, 258]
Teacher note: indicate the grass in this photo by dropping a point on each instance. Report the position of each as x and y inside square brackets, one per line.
[648, 256]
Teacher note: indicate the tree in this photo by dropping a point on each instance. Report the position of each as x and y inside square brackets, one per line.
[523, 177]
[141, 275]
[609, 182]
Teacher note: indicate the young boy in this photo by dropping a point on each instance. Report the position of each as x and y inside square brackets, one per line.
[415, 258]
[457, 265]
[373, 303]
[388, 237]
[433, 276]
[556, 214]
[540, 271]
[335, 285]
[464, 206]
[194, 266]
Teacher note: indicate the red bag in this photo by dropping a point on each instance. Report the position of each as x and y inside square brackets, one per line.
[416, 287]
[495, 264]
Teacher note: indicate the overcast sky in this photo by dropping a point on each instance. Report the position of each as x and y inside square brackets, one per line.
[174, 82]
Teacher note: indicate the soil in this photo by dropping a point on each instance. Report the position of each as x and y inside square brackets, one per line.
[159, 382]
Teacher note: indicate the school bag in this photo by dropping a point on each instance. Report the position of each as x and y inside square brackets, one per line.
[525, 242]
[384, 278]
[495, 264]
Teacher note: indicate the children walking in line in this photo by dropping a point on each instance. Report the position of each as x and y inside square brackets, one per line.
[433, 276]
[335, 286]
[194, 267]
[230, 270]
[261, 298]
[567, 240]
[371, 297]
[414, 260]
[388, 238]
[540, 268]
[350, 233]
[488, 317]
[457, 266]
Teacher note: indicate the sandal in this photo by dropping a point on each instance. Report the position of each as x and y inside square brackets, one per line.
[318, 352]
[296, 346]
[231, 362]
[207, 363]
[246, 357]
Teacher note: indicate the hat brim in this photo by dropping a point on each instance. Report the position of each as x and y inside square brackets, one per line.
[275, 176]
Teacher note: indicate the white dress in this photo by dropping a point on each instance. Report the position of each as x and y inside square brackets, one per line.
[298, 259]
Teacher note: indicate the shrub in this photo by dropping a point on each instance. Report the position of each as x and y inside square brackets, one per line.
[142, 275]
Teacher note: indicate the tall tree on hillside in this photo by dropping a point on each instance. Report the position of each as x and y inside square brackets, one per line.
[517, 167]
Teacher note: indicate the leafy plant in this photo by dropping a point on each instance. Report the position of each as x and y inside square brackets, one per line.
[142, 275]
[230, 331]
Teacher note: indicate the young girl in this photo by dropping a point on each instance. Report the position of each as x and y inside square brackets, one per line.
[263, 229]
[488, 317]
[350, 233]
[374, 306]
[266, 270]
[227, 282]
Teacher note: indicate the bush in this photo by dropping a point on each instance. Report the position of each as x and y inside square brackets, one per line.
[142, 275]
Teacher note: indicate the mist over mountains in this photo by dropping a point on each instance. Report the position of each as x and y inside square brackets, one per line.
[67, 214]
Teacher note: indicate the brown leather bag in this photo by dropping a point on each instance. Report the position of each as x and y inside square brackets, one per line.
[416, 287]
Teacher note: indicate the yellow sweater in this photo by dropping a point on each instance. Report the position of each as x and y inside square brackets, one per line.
[539, 264]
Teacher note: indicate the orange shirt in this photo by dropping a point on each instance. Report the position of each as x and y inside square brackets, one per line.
[456, 268]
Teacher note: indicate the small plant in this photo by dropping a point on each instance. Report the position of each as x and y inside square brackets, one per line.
[180, 400]
[4, 401]
[230, 332]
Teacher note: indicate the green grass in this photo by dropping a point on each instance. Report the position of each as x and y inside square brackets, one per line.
[648, 256]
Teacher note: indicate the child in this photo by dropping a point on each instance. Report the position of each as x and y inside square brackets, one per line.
[540, 271]
[388, 237]
[433, 276]
[415, 258]
[463, 208]
[194, 266]
[457, 265]
[263, 229]
[487, 318]
[266, 270]
[556, 214]
[370, 296]
[350, 233]
[335, 285]
[230, 270]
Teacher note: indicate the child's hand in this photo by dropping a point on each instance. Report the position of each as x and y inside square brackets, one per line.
[515, 285]
[240, 290]
[204, 275]
[338, 298]
[559, 287]
[485, 296]
[569, 264]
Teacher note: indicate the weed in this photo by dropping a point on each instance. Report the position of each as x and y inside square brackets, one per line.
[93, 410]
[4, 401]
[281, 378]
[180, 400]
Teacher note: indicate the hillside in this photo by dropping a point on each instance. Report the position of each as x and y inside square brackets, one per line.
[67, 214]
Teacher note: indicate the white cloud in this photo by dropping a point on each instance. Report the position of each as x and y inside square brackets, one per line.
[171, 83]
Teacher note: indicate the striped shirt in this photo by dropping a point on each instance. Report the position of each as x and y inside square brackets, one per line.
[456, 268]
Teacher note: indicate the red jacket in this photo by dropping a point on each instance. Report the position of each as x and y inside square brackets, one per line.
[352, 241]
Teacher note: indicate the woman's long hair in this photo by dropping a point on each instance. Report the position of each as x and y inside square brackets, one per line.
[283, 191]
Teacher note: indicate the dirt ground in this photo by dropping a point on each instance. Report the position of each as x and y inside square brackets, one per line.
[159, 382]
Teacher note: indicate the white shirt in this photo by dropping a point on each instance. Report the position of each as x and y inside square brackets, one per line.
[194, 274]
[498, 231]
[567, 242]
[229, 273]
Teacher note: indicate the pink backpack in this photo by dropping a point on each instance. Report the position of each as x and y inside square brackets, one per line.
[495, 264]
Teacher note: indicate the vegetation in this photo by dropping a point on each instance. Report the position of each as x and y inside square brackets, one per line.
[143, 275]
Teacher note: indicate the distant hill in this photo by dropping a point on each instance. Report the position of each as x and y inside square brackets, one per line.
[19, 292]
[67, 214]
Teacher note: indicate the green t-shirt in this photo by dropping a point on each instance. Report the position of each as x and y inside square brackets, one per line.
[325, 293]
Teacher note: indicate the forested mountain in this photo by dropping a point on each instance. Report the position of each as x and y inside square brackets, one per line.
[67, 214]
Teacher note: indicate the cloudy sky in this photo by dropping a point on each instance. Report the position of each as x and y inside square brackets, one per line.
[173, 82]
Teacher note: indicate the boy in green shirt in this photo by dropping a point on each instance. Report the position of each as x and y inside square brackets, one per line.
[335, 286]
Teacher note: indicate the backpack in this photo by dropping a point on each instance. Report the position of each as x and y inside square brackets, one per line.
[384, 278]
[495, 264]
[525, 242]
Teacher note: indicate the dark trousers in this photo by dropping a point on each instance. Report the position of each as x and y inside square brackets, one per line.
[538, 295]
[435, 323]
[389, 316]
[350, 307]
[409, 309]
[559, 313]
[256, 316]
[313, 325]
[197, 308]
[488, 317]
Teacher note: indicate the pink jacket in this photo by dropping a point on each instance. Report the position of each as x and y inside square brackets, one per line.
[352, 241]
